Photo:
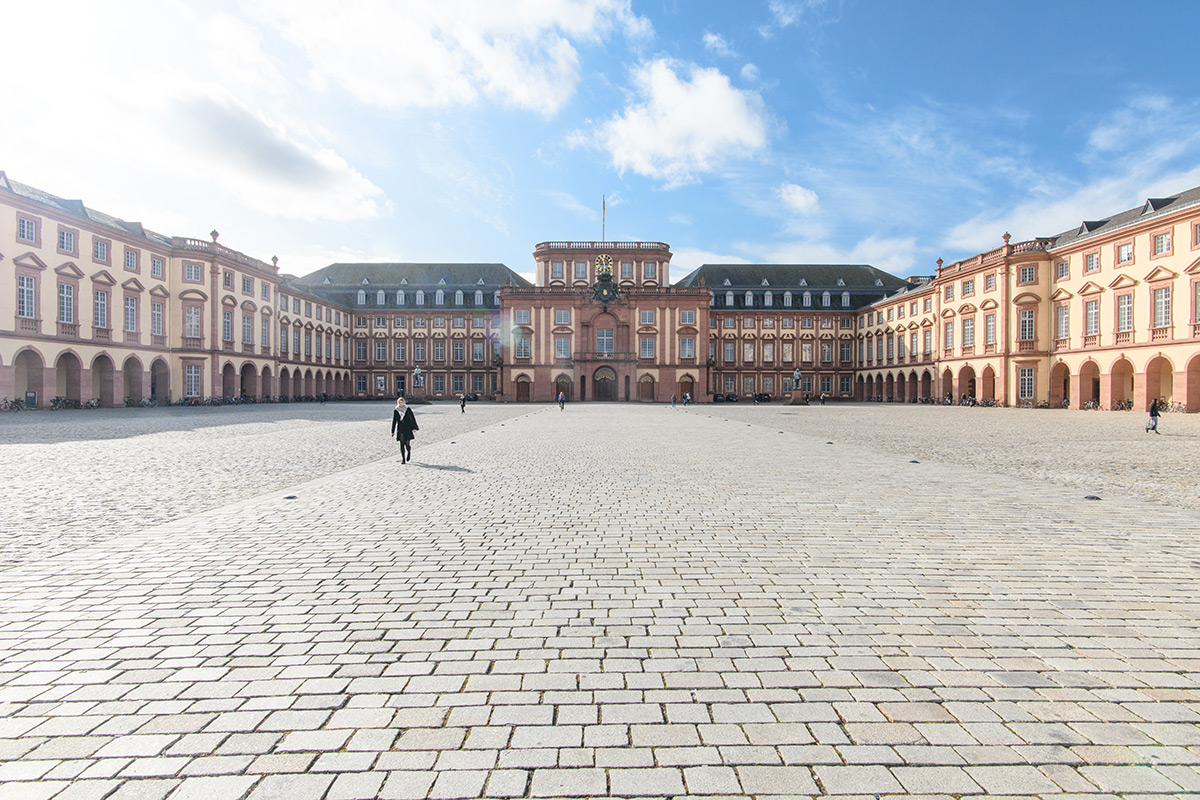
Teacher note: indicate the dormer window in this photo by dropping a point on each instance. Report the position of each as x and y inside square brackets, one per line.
[479, 282]
[362, 297]
[768, 299]
[803, 282]
[478, 297]
[879, 281]
[841, 282]
[787, 299]
[825, 299]
[420, 297]
[726, 282]
[728, 299]
[458, 298]
[400, 297]
[765, 282]
[749, 300]
[845, 299]
[807, 301]
[404, 281]
[442, 282]
[366, 282]
[439, 297]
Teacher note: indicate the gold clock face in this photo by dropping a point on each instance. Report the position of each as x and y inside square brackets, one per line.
[604, 263]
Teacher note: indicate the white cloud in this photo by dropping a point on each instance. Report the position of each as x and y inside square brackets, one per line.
[442, 53]
[797, 199]
[750, 73]
[680, 127]
[568, 202]
[715, 43]
[896, 255]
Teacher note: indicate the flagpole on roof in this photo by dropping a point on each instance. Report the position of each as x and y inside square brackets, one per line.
[603, 202]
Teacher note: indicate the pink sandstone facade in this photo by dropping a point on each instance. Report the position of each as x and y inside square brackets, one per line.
[92, 306]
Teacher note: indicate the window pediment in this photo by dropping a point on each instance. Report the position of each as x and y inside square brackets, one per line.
[228, 302]
[104, 278]
[133, 285]
[1061, 295]
[988, 304]
[967, 309]
[947, 313]
[29, 261]
[1123, 282]
[1026, 298]
[249, 306]
[69, 270]
[1159, 274]
[1091, 287]
[193, 294]
[1193, 268]
[159, 291]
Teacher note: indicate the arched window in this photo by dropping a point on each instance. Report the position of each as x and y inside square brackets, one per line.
[729, 299]
[496, 297]
[768, 299]
[439, 298]
[825, 299]
[712, 299]
[420, 297]
[479, 297]
[400, 297]
[787, 299]
[845, 299]
[379, 298]
[807, 300]
[458, 298]
[362, 297]
[749, 300]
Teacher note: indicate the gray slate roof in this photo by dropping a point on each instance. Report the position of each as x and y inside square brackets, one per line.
[76, 208]
[418, 276]
[1153, 207]
[788, 276]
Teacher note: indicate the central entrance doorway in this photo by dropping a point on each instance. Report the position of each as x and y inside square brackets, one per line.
[604, 384]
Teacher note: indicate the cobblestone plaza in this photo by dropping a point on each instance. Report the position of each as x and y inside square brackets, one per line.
[612, 600]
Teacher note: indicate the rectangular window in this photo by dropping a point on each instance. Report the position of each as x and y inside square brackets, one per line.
[748, 384]
[949, 290]
[870, 349]
[247, 285]
[927, 342]
[806, 384]
[604, 340]
[1028, 329]
[928, 304]
[768, 322]
[1027, 275]
[562, 346]
[580, 269]
[687, 347]
[989, 283]
[66, 241]
[646, 316]
[989, 329]
[647, 347]
[562, 316]
[439, 384]
[399, 351]
[1125, 253]
[1091, 317]
[131, 315]
[846, 384]
[265, 333]
[627, 270]
[191, 273]
[100, 250]
[948, 335]
[1091, 262]
[440, 322]
[521, 316]
[826, 383]
[1025, 383]
[1062, 322]
[912, 343]
[247, 329]
[131, 260]
[788, 323]
[768, 352]
[266, 295]
[460, 351]
[556, 269]
[380, 350]
[296, 345]
[193, 326]
[66, 303]
[968, 325]
[1124, 313]
[227, 326]
[156, 319]
[477, 351]
[968, 289]
[1062, 271]
[192, 375]
[687, 316]
[730, 322]
[27, 230]
[788, 352]
[157, 267]
[650, 270]
[730, 352]
[900, 346]
[827, 352]
[360, 383]
[748, 352]
[458, 384]
[360, 349]
[439, 350]
[1162, 307]
[477, 384]
[100, 310]
[521, 347]
[806, 351]
[227, 280]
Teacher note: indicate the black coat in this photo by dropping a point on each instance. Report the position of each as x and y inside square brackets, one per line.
[404, 426]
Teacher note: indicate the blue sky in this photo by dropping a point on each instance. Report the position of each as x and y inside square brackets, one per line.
[884, 132]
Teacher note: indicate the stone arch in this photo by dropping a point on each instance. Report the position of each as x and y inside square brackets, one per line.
[926, 384]
[563, 385]
[1121, 381]
[249, 381]
[912, 386]
[687, 386]
[890, 391]
[1089, 382]
[1060, 385]
[266, 384]
[646, 388]
[160, 380]
[901, 387]
[860, 388]
[308, 383]
[524, 388]
[229, 378]
[285, 382]
[987, 384]
[68, 375]
[604, 384]
[132, 378]
[1160, 380]
[947, 387]
[103, 381]
[1192, 384]
[966, 382]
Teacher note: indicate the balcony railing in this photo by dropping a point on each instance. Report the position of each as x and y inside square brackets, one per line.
[101, 334]
[1160, 334]
[1124, 337]
[193, 342]
[69, 329]
[158, 340]
[1026, 346]
[1196, 329]
[1062, 343]
[27, 325]
[1091, 340]
[132, 337]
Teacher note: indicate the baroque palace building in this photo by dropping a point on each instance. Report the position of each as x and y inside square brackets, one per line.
[92, 306]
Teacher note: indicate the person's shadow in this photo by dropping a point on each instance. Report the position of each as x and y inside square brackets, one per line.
[443, 467]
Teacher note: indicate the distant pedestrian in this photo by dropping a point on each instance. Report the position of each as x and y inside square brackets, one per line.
[462, 403]
[562, 400]
[822, 398]
[1152, 425]
[404, 425]
[673, 399]
[687, 399]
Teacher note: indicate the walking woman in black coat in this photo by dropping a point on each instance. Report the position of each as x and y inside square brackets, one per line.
[404, 424]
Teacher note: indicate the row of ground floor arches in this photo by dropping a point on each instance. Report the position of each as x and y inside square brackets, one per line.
[602, 384]
[121, 379]
[1090, 384]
